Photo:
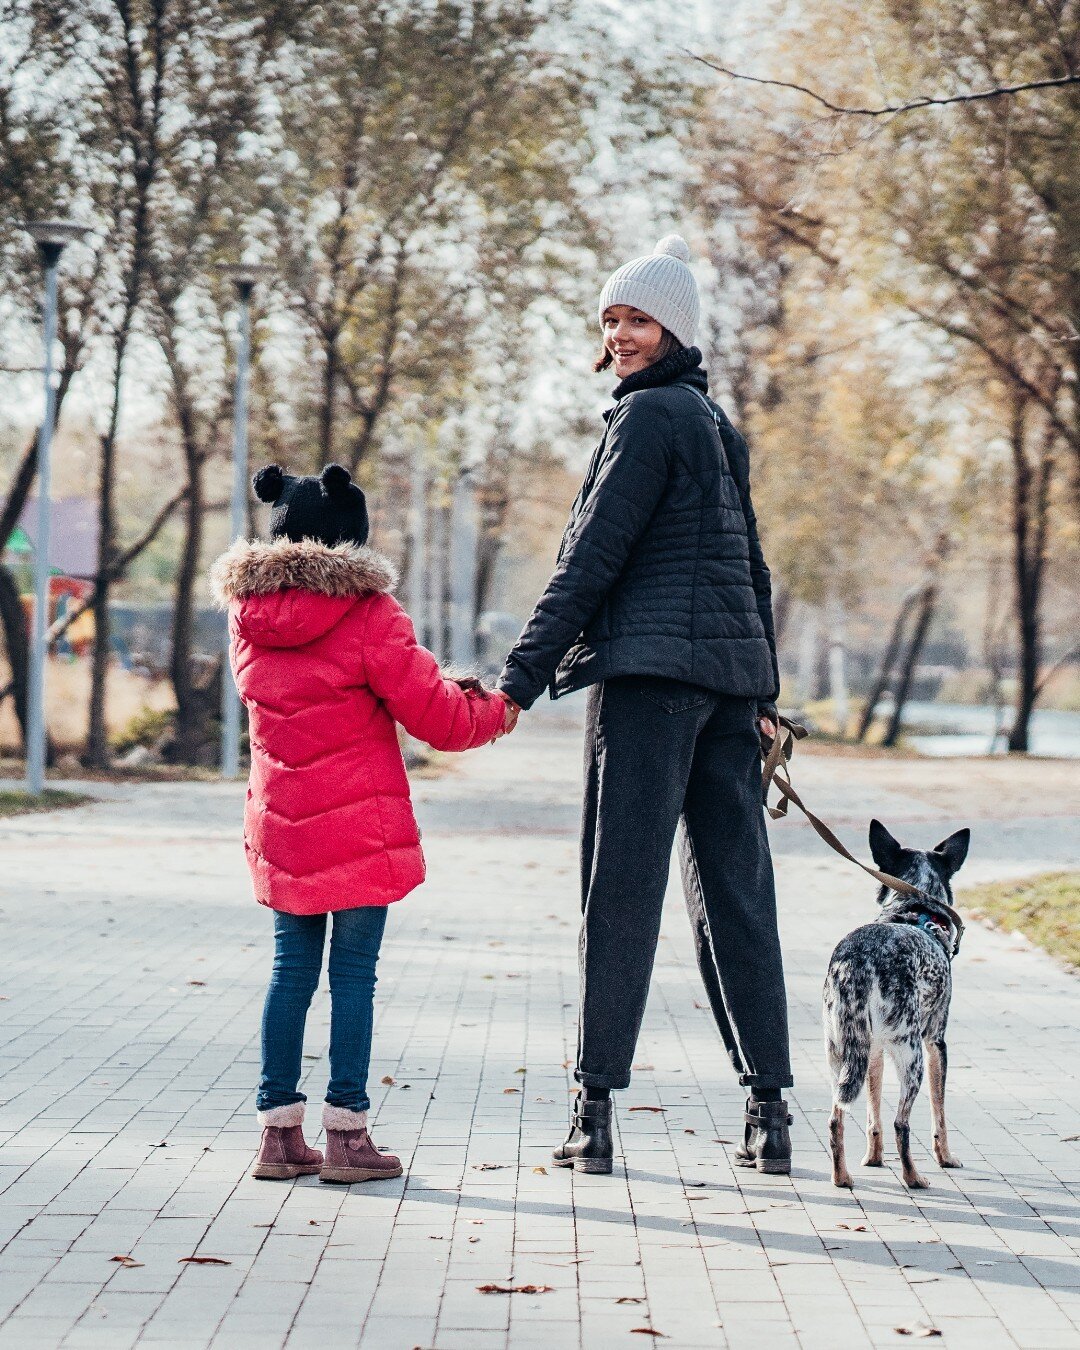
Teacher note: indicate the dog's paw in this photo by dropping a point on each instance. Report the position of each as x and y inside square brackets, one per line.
[873, 1160]
[949, 1161]
[916, 1182]
[844, 1180]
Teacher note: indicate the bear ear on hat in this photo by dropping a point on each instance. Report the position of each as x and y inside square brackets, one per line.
[336, 481]
[268, 483]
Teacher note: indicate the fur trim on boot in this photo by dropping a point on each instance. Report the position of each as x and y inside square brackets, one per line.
[341, 1118]
[282, 1117]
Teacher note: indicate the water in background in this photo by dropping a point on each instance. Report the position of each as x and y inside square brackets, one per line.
[965, 729]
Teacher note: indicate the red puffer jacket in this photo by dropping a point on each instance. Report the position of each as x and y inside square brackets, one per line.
[326, 662]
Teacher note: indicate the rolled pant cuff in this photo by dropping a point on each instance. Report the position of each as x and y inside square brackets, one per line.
[599, 1080]
[765, 1080]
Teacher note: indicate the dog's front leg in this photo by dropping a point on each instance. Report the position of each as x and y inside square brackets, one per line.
[938, 1063]
[875, 1152]
[840, 1174]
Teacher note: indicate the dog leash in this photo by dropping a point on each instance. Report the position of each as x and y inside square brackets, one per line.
[776, 752]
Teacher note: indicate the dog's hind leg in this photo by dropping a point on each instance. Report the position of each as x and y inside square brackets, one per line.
[937, 1064]
[840, 1174]
[907, 1055]
[875, 1153]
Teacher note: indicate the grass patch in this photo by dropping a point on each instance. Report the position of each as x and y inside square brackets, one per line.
[1044, 908]
[17, 803]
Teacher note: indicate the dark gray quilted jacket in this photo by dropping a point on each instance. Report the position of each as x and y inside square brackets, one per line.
[660, 570]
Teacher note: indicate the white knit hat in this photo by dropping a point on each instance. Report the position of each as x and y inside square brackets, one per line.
[660, 285]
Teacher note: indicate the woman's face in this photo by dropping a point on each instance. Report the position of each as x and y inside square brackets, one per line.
[632, 338]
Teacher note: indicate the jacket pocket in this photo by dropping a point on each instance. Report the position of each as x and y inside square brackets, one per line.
[674, 696]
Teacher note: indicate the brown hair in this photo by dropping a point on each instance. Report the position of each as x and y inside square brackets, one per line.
[668, 343]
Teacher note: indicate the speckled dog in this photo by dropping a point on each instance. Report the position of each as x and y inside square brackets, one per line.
[888, 988]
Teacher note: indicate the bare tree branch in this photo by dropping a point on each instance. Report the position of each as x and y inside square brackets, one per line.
[891, 109]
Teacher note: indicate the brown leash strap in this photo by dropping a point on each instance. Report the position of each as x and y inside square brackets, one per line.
[776, 753]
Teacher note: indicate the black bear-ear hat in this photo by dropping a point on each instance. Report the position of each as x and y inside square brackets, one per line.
[268, 483]
[329, 508]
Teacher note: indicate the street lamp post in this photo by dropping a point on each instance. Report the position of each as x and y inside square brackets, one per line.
[244, 277]
[51, 237]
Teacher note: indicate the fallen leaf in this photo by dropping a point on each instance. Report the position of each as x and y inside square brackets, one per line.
[649, 1108]
[1071, 1139]
[478, 1222]
[630, 1299]
[723, 1141]
[203, 1261]
[313, 1223]
[262, 1225]
[508, 1092]
[540, 1171]
[515, 1288]
[853, 1227]
[474, 1239]
[921, 1330]
[642, 1068]
[649, 1331]
[163, 1144]
[199, 982]
[488, 1167]
[701, 1007]
[436, 1237]
[125, 1261]
[689, 1131]
[387, 1081]
[521, 1071]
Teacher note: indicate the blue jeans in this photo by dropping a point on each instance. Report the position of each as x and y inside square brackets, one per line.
[298, 949]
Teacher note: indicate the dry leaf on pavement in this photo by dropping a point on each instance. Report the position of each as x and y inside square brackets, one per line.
[515, 1288]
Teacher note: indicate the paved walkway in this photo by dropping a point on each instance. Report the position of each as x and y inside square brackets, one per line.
[132, 973]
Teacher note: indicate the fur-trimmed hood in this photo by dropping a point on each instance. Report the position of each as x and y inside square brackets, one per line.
[261, 567]
[284, 593]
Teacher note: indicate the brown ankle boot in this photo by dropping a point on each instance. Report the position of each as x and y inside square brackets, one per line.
[283, 1153]
[350, 1154]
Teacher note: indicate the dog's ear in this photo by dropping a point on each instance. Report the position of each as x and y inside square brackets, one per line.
[954, 850]
[886, 852]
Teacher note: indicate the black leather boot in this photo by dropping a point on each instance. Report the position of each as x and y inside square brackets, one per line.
[766, 1142]
[588, 1146]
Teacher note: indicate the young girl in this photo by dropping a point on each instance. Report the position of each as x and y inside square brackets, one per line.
[327, 662]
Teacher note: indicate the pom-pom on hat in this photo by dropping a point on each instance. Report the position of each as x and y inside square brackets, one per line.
[329, 508]
[660, 285]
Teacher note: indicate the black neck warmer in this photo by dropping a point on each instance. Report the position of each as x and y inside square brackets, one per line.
[665, 371]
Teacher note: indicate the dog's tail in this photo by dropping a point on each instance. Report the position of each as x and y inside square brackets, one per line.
[847, 1039]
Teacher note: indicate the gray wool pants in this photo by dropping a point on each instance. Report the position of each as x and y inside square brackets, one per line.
[662, 756]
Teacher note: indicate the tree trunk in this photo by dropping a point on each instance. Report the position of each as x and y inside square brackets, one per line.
[17, 643]
[97, 738]
[1031, 514]
[888, 660]
[927, 605]
[781, 608]
[191, 710]
[328, 407]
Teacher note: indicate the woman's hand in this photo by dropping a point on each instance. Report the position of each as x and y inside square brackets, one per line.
[767, 726]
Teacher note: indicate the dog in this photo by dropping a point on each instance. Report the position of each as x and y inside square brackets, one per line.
[888, 988]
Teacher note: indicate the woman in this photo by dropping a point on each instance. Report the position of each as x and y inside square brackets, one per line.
[661, 603]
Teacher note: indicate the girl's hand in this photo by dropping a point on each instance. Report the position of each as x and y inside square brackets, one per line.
[768, 726]
[511, 714]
